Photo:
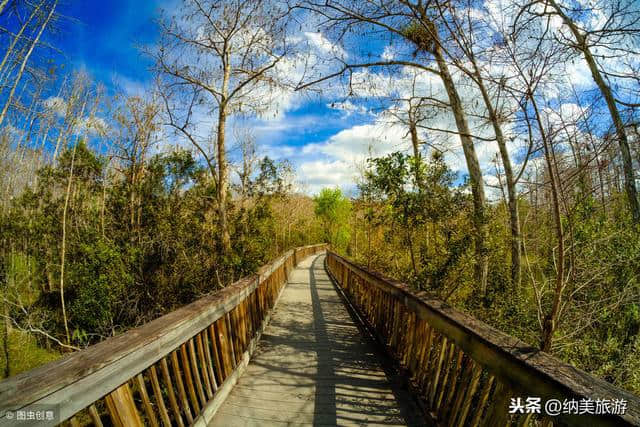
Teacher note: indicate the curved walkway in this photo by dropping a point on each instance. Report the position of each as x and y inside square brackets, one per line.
[314, 367]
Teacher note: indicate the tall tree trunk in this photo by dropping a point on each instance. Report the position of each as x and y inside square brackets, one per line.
[514, 217]
[415, 142]
[223, 184]
[63, 249]
[23, 65]
[551, 319]
[607, 93]
[475, 173]
[411, 252]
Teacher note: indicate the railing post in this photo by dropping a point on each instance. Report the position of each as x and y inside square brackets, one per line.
[122, 408]
[200, 349]
[464, 371]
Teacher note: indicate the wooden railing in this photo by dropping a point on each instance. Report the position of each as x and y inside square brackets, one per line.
[465, 372]
[175, 370]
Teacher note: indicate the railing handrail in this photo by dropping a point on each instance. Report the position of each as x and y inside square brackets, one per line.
[80, 378]
[509, 359]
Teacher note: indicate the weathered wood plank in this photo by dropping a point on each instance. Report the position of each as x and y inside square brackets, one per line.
[181, 390]
[462, 416]
[513, 362]
[314, 365]
[206, 346]
[79, 379]
[197, 378]
[148, 409]
[482, 402]
[170, 391]
[122, 408]
[157, 393]
[95, 416]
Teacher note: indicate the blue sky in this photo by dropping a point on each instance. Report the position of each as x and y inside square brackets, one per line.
[104, 38]
[326, 136]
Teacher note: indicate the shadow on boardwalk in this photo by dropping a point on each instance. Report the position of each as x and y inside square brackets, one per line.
[313, 366]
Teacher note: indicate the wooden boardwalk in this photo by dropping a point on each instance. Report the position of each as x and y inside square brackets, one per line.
[313, 366]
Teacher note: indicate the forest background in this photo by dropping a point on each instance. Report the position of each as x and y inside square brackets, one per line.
[484, 151]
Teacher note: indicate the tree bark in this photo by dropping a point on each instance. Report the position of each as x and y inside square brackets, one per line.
[475, 173]
[222, 161]
[17, 37]
[415, 142]
[3, 4]
[514, 217]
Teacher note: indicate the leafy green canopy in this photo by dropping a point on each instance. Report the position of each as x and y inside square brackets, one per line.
[334, 210]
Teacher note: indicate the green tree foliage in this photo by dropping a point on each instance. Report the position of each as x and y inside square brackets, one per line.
[410, 196]
[334, 210]
[272, 180]
[407, 206]
[142, 240]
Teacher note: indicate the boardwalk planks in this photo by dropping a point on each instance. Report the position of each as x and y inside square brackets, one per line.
[466, 371]
[196, 340]
[313, 366]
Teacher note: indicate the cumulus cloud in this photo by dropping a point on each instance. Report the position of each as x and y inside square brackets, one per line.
[315, 175]
[359, 142]
[336, 162]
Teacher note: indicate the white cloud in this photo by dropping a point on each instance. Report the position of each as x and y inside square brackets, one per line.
[349, 108]
[131, 87]
[578, 74]
[324, 45]
[388, 54]
[315, 175]
[360, 142]
[336, 162]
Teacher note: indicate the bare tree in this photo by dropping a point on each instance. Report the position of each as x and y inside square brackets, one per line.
[79, 95]
[227, 53]
[3, 5]
[418, 23]
[36, 39]
[534, 65]
[17, 37]
[246, 144]
[138, 123]
[620, 24]
[470, 55]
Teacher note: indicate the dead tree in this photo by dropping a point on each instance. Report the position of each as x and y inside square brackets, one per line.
[226, 52]
[620, 24]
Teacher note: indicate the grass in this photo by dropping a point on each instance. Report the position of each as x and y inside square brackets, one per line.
[24, 353]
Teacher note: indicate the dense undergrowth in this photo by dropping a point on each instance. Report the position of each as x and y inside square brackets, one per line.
[421, 233]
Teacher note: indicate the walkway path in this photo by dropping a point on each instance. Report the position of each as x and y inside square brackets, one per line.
[314, 367]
